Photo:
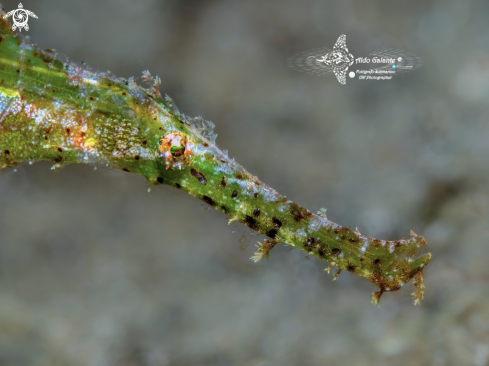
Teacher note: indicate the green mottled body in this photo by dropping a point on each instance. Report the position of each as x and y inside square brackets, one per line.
[52, 109]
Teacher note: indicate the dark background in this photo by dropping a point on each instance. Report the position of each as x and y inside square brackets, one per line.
[96, 271]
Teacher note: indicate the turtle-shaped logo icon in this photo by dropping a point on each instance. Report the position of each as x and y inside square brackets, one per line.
[20, 17]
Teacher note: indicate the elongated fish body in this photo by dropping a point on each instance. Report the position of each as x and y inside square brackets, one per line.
[52, 109]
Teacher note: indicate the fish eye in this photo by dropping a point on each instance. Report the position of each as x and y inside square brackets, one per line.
[177, 151]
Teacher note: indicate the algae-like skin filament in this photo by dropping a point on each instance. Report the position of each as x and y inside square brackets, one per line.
[53, 109]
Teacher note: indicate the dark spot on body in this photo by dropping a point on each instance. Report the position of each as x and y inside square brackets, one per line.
[336, 231]
[362, 259]
[7, 152]
[255, 194]
[321, 252]
[91, 98]
[136, 157]
[126, 170]
[223, 182]
[58, 159]
[68, 130]
[18, 70]
[82, 134]
[336, 251]
[377, 261]
[298, 216]
[208, 200]
[124, 93]
[239, 176]
[276, 222]
[256, 212]
[1, 39]
[310, 241]
[272, 233]
[350, 268]
[205, 144]
[144, 143]
[250, 222]
[178, 185]
[199, 176]
[234, 194]
[54, 90]
[352, 240]
[224, 209]
[160, 128]
[60, 149]
[159, 180]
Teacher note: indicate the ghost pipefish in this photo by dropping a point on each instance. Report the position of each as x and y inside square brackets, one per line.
[53, 109]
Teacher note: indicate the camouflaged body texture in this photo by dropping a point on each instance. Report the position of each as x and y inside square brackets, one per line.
[53, 109]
